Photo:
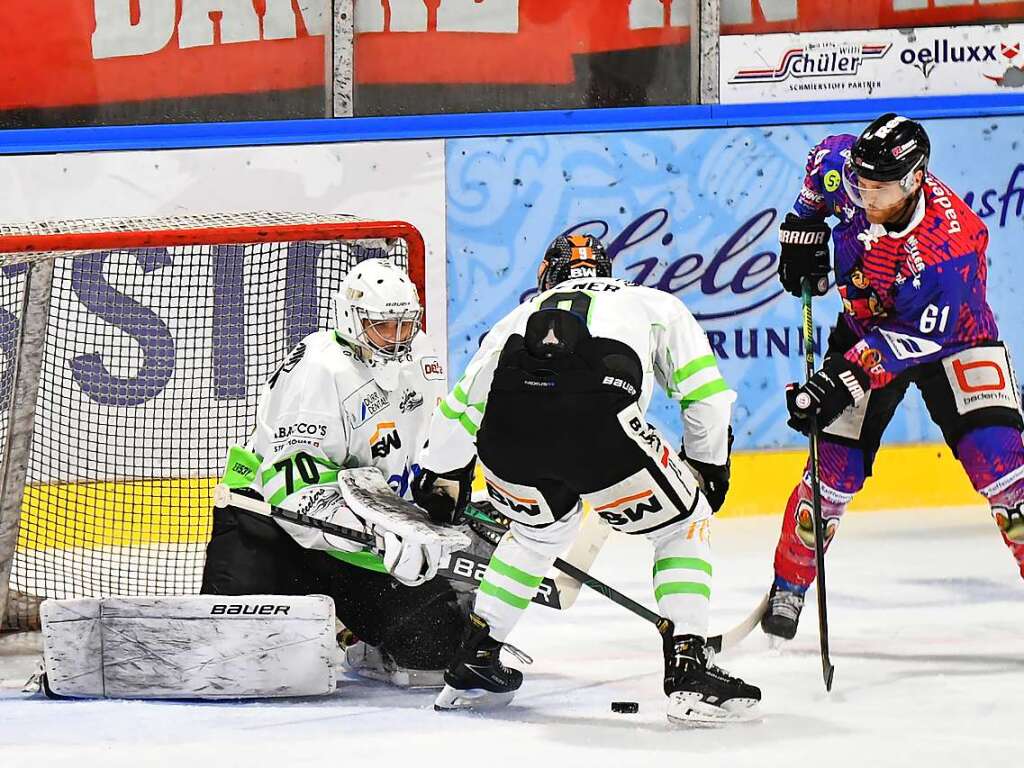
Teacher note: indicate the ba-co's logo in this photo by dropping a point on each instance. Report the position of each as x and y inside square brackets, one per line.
[631, 509]
[384, 440]
[515, 503]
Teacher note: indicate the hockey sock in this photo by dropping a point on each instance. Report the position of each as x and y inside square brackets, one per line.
[994, 460]
[517, 567]
[682, 575]
[794, 554]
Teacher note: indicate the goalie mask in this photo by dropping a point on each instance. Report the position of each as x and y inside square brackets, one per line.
[377, 310]
[572, 256]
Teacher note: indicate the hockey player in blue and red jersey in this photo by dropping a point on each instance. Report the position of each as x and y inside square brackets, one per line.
[911, 269]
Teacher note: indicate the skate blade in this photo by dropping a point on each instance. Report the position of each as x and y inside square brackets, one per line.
[776, 642]
[411, 679]
[471, 698]
[368, 663]
[690, 709]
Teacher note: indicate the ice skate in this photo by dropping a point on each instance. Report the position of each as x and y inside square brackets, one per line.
[700, 692]
[780, 620]
[476, 678]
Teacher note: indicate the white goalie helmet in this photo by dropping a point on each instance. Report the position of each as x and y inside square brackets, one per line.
[378, 310]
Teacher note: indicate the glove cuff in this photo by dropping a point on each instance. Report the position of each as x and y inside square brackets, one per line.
[853, 377]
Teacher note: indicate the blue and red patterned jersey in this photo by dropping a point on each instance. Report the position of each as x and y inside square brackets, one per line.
[913, 296]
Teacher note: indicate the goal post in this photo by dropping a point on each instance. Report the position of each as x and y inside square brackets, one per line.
[132, 352]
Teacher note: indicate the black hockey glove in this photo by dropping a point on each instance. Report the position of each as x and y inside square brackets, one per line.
[804, 253]
[713, 478]
[444, 496]
[838, 385]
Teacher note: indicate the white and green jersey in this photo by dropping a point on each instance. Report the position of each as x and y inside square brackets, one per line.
[324, 410]
[672, 347]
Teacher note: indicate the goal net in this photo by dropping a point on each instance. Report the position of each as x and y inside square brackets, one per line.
[132, 352]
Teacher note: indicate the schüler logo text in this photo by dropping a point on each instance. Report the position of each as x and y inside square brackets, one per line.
[815, 60]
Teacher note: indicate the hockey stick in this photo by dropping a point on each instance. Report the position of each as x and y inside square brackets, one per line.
[462, 566]
[482, 511]
[827, 669]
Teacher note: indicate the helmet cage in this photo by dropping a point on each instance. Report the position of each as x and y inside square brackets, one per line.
[388, 335]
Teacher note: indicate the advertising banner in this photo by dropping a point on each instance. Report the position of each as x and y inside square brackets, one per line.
[749, 17]
[696, 213]
[199, 325]
[102, 61]
[872, 64]
[427, 56]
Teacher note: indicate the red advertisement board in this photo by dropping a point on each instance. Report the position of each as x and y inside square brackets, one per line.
[522, 41]
[84, 52]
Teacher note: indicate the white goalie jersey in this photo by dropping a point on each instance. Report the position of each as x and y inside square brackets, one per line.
[324, 410]
[672, 347]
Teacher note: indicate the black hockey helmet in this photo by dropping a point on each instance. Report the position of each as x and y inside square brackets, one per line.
[892, 149]
[573, 256]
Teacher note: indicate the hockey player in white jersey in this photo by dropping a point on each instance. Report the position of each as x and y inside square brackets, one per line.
[356, 396]
[553, 406]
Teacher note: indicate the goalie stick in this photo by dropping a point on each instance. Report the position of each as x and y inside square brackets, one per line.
[462, 565]
[483, 511]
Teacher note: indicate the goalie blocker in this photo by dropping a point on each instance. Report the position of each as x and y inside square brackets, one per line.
[197, 647]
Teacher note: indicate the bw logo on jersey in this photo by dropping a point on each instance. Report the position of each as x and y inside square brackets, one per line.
[384, 440]
[630, 509]
[517, 504]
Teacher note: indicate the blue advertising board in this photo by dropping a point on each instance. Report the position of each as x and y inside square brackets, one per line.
[695, 212]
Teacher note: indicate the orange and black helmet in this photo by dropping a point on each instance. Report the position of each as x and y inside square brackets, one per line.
[573, 256]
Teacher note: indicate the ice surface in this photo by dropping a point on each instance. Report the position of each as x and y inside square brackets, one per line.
[927, 620]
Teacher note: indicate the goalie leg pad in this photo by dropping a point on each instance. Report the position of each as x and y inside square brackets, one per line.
[201, 647]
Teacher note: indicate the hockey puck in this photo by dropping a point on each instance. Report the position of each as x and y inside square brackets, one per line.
[625, 707]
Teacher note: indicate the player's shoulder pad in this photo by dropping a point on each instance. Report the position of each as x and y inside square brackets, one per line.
[829, 154]
[325, 352]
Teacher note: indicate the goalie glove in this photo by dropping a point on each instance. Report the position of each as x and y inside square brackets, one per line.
[410, 562]
[410, 559]
[838, 385]
[444, 496]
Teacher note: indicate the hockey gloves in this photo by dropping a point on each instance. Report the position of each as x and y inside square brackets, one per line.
[804, 254]
[410, 562]
[713, 479]
[444, 496]
[838, 385]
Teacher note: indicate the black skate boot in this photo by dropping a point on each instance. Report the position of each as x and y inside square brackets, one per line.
[785, 602]
[698, 691]
[476, 678]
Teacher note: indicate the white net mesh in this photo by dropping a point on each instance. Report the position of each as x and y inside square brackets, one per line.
[153, 360]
